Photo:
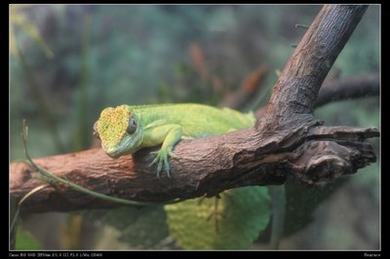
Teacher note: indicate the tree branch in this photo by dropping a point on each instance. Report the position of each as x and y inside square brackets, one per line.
[353, 87]
[284, 145]
[233, 160]
[296, 90]
[346, 88]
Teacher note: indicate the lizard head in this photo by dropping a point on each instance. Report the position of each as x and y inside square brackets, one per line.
[119, 131]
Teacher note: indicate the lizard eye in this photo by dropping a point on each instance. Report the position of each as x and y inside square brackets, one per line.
[131, 128]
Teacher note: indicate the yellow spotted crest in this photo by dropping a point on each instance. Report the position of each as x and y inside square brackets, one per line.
[112, 125]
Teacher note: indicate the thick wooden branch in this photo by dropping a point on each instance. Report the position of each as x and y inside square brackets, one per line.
[311, 153]
[272, 152]
[296, 90]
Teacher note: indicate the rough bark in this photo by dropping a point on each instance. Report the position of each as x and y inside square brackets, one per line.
[288, 143]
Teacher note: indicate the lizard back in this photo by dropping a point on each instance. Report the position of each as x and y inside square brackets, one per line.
[196, 119]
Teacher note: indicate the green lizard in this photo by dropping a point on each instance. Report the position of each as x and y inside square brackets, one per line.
[126, 129]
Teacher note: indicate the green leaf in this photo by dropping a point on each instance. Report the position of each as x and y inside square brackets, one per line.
[26, 241]
[232, 222]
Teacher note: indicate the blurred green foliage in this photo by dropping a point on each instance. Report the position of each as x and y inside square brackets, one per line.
[87, 57]
[26, 241]
[140, 228]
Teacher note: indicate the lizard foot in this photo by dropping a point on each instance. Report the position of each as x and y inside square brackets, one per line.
[162, 162]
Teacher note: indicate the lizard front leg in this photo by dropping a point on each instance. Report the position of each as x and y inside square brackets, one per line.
[171, 134]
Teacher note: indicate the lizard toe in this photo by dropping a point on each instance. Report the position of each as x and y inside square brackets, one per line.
[171, 154]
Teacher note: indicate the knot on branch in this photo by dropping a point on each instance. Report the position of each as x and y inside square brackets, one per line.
[324, 161]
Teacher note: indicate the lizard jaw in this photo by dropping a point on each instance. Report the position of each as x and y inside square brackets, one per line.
[128, 145]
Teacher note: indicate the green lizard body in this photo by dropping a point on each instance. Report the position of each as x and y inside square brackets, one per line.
[126, 129]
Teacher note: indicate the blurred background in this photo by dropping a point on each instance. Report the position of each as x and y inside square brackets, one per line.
[68, 62]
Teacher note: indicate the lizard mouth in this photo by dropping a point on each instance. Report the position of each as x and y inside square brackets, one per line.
[128, 145]
[113, 153]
